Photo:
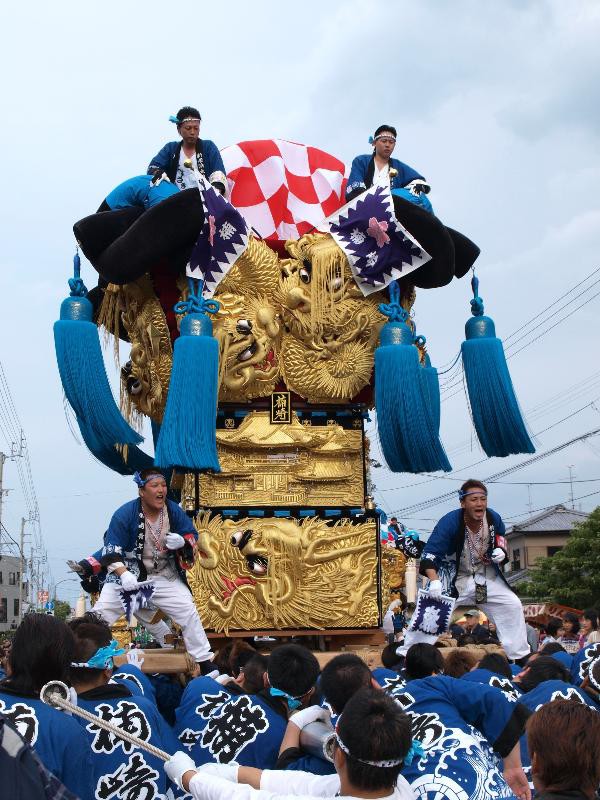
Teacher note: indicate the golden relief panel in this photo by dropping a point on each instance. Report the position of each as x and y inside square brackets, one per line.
[266, 574]
[301, 320]
[263, 464]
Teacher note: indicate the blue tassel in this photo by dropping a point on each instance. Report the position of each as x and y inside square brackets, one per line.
[187, 436]
[82, 371]
[432, 387]
[112, 458]
[494, 408]
[407, 431]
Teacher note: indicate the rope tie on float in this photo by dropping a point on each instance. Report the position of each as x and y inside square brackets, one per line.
[56, 694]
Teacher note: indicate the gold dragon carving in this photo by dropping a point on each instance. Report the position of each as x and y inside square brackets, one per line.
[261, 574]
[301, 320]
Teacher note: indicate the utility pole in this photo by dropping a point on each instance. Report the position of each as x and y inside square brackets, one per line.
[530, 504]
[571, 482]
[2, 460]
[22, 567]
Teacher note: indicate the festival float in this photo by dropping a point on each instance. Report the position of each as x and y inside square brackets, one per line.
[263, 330]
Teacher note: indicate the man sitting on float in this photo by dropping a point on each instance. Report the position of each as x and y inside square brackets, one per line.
[380, 168]
[175, 158]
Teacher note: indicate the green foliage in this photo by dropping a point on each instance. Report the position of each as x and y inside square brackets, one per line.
[62, 609]
[571, 577]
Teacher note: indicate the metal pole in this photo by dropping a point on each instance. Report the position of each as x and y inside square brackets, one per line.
[22, 565]
[571, 482]
[2, 460]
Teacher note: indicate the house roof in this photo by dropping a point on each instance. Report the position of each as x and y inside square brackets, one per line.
[553, 520]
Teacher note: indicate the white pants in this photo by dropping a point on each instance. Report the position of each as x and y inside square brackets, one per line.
[504, 607]
[170, 596]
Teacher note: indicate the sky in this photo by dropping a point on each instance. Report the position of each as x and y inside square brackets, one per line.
[495, 103]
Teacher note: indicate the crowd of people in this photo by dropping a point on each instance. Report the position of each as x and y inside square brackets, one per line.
[440, 722]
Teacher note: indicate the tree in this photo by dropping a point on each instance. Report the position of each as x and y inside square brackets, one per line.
[62, 609]
[572, 576]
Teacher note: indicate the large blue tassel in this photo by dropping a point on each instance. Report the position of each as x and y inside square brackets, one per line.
[432, 385]
[82, 371]
[494, 408]
[409, 439]
[113, 458]
[187, 436]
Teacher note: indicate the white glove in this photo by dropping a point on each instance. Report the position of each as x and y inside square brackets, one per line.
[174, 541]
[177, 766]
[394, 604]
[135, 659]
[228, 772]
[435, 588]
[305, 716]
[128, 581]
[498, 555]
[72, 698]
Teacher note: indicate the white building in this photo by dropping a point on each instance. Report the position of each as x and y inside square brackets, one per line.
[10, 578]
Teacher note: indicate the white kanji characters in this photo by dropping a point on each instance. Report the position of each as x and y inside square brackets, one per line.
[189, 737]
[210, 703]
[357, 236]
[23, 718]
[237, 724]
[226, 231]
[431, 620]
[506, 687]
[135, 780]
[127, 716]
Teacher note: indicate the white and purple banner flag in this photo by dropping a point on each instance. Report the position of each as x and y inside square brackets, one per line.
[378, 248]
[222, 240]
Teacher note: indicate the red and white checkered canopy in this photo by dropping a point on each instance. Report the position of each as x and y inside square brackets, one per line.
[283, 189]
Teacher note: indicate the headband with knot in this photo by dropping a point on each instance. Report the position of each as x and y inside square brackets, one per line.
[141, 482]
[414, 750]
[462, 495]
[292, 702]
[102, 658]
[175, 120]
[382, 135]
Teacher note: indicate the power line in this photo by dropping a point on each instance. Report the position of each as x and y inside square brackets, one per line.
[453, 380]
[434, 501]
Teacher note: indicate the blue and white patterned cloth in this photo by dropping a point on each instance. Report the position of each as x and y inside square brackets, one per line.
[222, 240]
[378, 248]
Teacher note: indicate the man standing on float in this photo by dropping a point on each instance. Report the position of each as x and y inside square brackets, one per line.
[462, 559]
[151, 538]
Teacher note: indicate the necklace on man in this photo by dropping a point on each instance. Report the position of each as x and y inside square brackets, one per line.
[477, 549]
[155, 534]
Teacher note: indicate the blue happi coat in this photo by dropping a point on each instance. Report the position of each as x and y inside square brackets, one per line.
[56, 737]
[444, 547]
[363, 169]
[135, 680]
[582, 660]
[210, 163]
[124, 539]
[464, 728]
[215, 725]
[139, 192]
[119, 768]
[485, 676]
[389, 680]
